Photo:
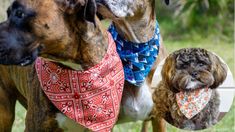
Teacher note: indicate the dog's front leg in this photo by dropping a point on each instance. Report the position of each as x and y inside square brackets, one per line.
[41, 117]
[41, 113]
[159, 125]
[145, 125]
[7, 110]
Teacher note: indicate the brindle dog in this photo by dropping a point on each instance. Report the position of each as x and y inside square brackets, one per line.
[135, 21]
[61, 30]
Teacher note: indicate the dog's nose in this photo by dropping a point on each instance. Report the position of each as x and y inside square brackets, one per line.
[194, 74]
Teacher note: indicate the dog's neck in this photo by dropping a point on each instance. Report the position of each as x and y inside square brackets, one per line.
[93, 43]
[140, 27]
[87, 47]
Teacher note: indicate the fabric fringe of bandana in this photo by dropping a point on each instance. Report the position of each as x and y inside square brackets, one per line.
[137, 58]
[91, 98]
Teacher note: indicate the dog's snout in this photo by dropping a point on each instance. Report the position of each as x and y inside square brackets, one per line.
[194, 74]
[2, 49]
[15, 45]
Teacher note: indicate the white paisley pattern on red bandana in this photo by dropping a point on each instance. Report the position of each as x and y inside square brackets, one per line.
[192, 102]
[91, 98]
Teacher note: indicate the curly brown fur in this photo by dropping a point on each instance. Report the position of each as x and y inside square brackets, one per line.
[185, 70]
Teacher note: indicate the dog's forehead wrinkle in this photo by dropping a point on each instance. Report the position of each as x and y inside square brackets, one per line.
[121, 8]
[193, 54]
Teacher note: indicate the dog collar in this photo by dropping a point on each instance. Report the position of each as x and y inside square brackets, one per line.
[192, 102]
[92, 97]
[137, 58]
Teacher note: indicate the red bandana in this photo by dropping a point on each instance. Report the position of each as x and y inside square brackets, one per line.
[91, 98]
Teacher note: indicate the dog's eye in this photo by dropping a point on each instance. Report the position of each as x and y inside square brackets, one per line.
[201, 64]
[20, 14]
[184, 66]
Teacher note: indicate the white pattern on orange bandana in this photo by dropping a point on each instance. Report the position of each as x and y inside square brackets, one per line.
[92, 97]
[192, 102]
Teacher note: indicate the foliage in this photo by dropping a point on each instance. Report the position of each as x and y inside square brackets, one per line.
[205, 17]
[192, 12]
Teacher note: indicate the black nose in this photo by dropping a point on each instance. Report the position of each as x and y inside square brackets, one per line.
[167, 2]
[194, 74]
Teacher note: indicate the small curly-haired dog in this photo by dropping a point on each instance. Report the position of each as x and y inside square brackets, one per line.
[187, 72]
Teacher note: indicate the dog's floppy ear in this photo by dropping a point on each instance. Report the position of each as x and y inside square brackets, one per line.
[70, 6]
[73, 6]
[168, 70]
[167, 2]
[219, 70]
[90, 11]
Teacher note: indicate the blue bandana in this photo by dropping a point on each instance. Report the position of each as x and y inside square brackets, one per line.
[137, 58]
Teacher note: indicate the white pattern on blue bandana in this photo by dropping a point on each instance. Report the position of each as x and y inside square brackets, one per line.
[137, 58]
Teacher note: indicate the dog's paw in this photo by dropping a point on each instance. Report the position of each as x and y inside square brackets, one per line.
[69, 6]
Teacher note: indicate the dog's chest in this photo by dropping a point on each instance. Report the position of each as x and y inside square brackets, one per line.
[136, 107]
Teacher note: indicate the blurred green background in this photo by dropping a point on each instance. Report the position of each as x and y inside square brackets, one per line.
[206, 24]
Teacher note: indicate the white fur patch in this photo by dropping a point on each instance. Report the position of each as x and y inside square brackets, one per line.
[192, 85]
[140, 107]
[121, 8]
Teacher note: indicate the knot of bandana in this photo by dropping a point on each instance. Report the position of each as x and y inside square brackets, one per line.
[137, 58]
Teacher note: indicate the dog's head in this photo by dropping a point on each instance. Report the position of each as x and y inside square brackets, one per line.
[193, 68]
[115, 9]
[40, 26]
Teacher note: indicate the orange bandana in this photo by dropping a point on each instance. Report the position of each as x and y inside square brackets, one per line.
[191, 103]
[91, 98]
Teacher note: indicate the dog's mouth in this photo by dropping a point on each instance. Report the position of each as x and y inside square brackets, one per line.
[24, 61]
[21, 60]
[195, 84]
[27, 60]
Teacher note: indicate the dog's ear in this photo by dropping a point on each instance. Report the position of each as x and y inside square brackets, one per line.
[219, 70]
[90, 11]
[73, 6]
[167, 2]
[168, 70]
[100, 16]
[70, 6]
